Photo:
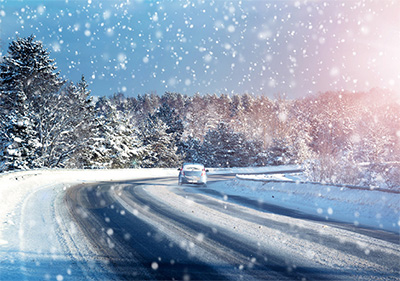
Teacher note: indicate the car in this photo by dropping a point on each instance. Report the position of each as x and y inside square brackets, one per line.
[192, 173]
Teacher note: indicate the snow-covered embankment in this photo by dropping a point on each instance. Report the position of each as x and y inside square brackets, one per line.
[35, 231]
[14, 187]
[372, 208]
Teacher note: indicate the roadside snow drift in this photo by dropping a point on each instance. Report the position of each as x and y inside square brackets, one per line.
[14, 187]
[371, 208]
[35, 242]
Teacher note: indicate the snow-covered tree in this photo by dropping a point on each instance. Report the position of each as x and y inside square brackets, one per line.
[114, 142]
[159, 143]
[26, 72]
[192, 150]
[176, 101]
[174, 124]
[196, 119]
[28, 76]
[19, 141]
[82, 121]
[48, 121]
[223, 147]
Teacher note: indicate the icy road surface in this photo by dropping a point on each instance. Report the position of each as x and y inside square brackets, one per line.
[154, 229]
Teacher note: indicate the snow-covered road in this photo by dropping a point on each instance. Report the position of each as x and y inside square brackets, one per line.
[56, 225]
[38, 239]
[37, 246]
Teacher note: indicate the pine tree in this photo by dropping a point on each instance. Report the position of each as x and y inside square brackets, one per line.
[80, 125]
[223, 147]
[48, 121]
[27, 75]
[18, 143]
[192, 150]
[114, 143]
[172, 121]
[26, 72]
[220, 146]
[196, 118]
[159, 141]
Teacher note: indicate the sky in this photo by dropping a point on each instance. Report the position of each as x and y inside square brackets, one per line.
[290, 48]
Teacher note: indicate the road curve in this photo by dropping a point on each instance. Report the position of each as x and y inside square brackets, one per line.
[151, 229]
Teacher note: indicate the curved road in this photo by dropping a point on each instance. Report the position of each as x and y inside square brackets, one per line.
[155, 230]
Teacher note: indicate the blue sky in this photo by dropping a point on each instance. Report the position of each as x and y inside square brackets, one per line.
[295, 48]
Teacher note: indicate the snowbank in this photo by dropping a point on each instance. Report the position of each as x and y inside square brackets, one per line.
[371, 208]
[14, 187]
[254, 170]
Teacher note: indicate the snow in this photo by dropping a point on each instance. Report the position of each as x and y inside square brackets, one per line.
[290, 177]
[28, 244]
[266, 234]
[15, 187]
[238, 41]
[359, 206]
[32, 247]
[253, 170]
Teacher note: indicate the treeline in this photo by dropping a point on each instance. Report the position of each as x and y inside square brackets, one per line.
[339, 137]
[46, 121]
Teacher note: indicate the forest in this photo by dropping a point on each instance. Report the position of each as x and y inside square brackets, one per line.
[47, 121]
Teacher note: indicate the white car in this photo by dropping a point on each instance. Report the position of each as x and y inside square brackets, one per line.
[192, 173]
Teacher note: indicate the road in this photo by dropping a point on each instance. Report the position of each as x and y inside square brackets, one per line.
[151, 229]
